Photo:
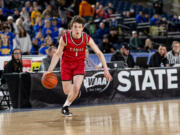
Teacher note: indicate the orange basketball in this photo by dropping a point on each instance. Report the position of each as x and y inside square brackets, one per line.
[49, 81]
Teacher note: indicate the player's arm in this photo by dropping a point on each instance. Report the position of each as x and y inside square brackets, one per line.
[57, 55]
[101, 57]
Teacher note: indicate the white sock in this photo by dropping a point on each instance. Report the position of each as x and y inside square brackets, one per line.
[67, 103]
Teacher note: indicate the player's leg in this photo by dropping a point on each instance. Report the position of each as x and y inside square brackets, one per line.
[67, 86]
[66, 76]
[77, 82]
[73, 93]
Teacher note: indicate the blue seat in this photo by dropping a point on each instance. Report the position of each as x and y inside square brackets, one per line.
[145, 10]
[150, 12]
[139, 8]
[170, 17]
[134, 7]
[164, 15]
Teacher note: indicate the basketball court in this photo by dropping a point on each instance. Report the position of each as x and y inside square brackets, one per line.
[142, 118]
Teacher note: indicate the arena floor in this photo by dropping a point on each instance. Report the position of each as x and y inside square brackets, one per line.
[144, 118]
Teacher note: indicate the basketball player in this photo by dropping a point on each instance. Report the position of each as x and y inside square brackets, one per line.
[72, 47]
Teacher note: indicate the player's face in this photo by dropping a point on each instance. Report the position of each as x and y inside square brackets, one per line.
[77, 29]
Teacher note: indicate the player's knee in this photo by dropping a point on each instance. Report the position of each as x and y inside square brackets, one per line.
[66, 89]
[76, 90]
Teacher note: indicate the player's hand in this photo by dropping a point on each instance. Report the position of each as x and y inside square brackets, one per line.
[107, 75]
[45, 73]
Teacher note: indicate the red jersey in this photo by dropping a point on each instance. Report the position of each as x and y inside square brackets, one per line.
[75, 48]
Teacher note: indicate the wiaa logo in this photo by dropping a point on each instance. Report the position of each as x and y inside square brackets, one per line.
[96, 83]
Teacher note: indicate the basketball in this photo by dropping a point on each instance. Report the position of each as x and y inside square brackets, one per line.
[49, 81]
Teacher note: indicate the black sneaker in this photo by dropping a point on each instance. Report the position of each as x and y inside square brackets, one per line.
[65, 111]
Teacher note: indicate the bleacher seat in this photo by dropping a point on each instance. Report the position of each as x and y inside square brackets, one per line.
[150, 12]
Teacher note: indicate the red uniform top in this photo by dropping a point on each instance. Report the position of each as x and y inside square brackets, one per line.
[75, 48]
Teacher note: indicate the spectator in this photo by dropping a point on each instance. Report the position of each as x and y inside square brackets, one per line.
[135, 42]
[28, 7]
[1, 27]
[35, 46]
[163, 26]
[61, 32]
[86, 10]
[159, 59]
[113, 38]
[158, 6]
[102, 30]
[64, 23]
[127, 14]
[110, 6]
[14, 65]
[146, 18]
[113, 22]
[35, 4]
[40, 38]
[24, 14]
[176, 23]
[89, 64]
[106, 46]
[140, 17]
[47, 11]
[35, 15]
[16, 14]
[2, 16]
[56, 22]
[97, 5]
[47, 30]
[46, 61]
[6, 48]
[47, 17]
[109, 13]
[62, 13]
[11, 24]
[6, 11]
[36, 43]
[56, 25]
[133, 13]
[148, 45]
[44, 49]
[27, 25]
[9, 34]
[22, 41]
[100, 12]
[38, 26]
[19, 23]
[90, 28]
[173, 56]
[124, 55]
[154, 21]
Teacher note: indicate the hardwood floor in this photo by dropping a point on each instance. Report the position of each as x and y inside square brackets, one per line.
[145, 118]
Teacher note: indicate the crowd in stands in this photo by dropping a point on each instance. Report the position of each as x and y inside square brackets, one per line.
[35, 26]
